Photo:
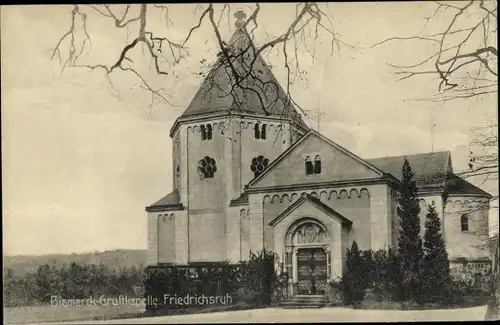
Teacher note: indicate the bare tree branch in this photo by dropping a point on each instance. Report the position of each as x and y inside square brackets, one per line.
[465, 64]
[451, 62]
[309, 16]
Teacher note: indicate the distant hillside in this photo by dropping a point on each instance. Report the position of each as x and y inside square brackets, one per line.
[22, 264]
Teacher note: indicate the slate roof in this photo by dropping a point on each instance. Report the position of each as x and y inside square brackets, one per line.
[171, 200]
[241, 200]
[214, 92]
[431, 172]
[457, 185]
[430, 168]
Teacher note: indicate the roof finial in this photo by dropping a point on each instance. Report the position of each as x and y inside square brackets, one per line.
[240, 15]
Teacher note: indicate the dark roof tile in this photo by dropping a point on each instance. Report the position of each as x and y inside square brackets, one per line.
[172, 198]
[214, 92]
[431, 172]
[430, 168]
[457, 185]
[241, 200]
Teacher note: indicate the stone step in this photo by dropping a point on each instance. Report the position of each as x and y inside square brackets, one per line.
[305, 298]
[319, 302]
[309, 297]
[300, 305]
[307, 302]
[304, 302]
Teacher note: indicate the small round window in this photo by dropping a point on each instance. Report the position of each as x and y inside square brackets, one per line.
[258, 165]
[207, 167]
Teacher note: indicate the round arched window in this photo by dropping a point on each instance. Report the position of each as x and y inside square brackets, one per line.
[464, 223]
[258, 165]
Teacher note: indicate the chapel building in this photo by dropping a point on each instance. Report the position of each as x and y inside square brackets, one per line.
[249, 174]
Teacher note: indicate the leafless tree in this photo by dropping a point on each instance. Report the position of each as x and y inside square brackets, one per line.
[465, 56]
[311, 21]
[464, 64]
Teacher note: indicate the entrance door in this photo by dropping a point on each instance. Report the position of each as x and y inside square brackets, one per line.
[311, 265]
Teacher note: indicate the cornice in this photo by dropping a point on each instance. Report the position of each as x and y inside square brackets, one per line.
[436, 191]
[237, 203]
[293, 187]
[470, 260]
[169, 207]
[216, 115]
[458, 195]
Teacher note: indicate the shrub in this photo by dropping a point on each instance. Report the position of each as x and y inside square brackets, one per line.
[211, 280]
[254, 282]
[259, 279]
[368, 269]
[356, 277]
[335, 294]
[383, 274]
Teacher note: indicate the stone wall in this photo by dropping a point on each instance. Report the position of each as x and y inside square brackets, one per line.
[166, 237]
[337, 165]
[248, 147]
[476, 274]
[212, 226]
[394, 219]
[469, 244]
[167, 240]
[352, 202]
[380, 217]
[152, 253]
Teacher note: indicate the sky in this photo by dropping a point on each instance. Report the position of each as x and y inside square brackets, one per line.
[81, 159]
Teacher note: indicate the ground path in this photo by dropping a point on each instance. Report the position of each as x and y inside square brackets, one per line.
[336, 314]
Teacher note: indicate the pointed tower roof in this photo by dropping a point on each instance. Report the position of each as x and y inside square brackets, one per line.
[260, 93]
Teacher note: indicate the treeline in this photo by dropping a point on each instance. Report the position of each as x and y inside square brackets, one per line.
[22, 264]
[70, 281]
[254, 281]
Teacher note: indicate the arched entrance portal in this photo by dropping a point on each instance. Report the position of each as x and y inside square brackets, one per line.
[307, 255]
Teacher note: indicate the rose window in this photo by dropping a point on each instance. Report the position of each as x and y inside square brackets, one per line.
[258, 165]
[207, 167]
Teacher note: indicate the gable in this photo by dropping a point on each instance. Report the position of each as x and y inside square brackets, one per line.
[337, 164]
[305, 205]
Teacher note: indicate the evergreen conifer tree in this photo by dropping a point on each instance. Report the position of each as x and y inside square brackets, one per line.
[436, 276]
[353, 282]
[410, 243]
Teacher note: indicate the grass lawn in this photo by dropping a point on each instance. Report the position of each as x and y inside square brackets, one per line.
[47, 313]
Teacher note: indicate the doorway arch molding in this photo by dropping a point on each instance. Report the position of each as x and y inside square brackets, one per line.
[299, 224]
